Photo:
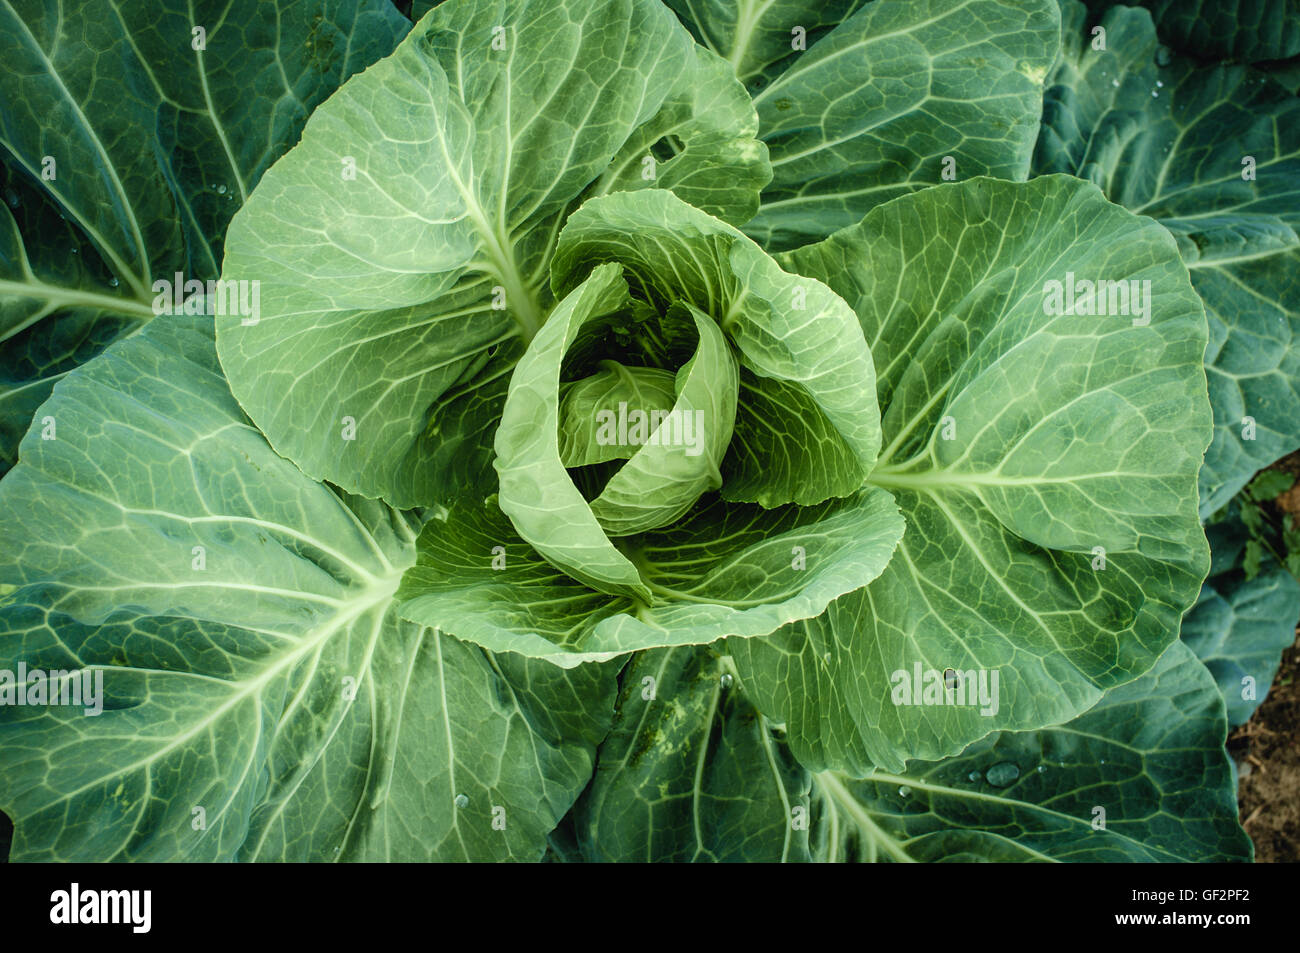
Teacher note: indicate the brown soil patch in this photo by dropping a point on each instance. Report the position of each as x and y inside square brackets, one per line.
[1267, 749]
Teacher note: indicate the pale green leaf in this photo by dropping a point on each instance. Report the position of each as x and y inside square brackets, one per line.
[901, 95]
[1213, 154]
[726, 569]
[1045, 464]
[814, 432]
[262, 700]
[403, 246]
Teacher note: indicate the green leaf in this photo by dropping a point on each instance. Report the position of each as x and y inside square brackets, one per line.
[663, 479]
[1246, 30]
[1253, 559]
[1270, 484]
[1253, 517]
[813, 431]
[1213, 154]
[545, 506]
[404, 243]
[1024, 448]
[1149, 755]
[647, 388]
[690, 772]
[253, 666]
[726, 569]
[1244, 620]
[901, 95]
[759, 39]
[56, 312]
[126, 151]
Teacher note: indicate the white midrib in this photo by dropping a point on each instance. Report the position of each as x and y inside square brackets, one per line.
[845, 801]
[750, 15]
[937, 479]
[60, 297]
[349, 611]
[519, 301]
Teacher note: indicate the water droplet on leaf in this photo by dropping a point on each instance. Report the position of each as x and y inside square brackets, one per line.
[973, 776]
[462, 801]
[904, 791]
[1002, 774]
[725, 681]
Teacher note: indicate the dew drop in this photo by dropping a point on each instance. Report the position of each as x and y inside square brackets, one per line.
[1160, 84]
[904, 791]
[462, 801]
[113, 282]
[1155, 93]
[1041, 769]
[1114, 82]
[973, 776]
[74, 251]
[725, 681]
[221, 190]
[1002, 774]
[1163, 56]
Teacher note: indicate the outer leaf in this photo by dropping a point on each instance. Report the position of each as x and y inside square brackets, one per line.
[1153, 138]
[380, 290]
[204, 125]
[1069, 433]
[812, 432]
[1246, 30]
[1240, 627]
[758, 38]
[241, 616]
[691, 772]
[56, 311]
[1149, 755]
[876, 108]
[725, 570]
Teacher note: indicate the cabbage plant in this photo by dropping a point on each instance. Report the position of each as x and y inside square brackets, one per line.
[623, 431]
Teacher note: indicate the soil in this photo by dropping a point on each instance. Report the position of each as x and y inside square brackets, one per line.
[1267, 751]
[1267, 748]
